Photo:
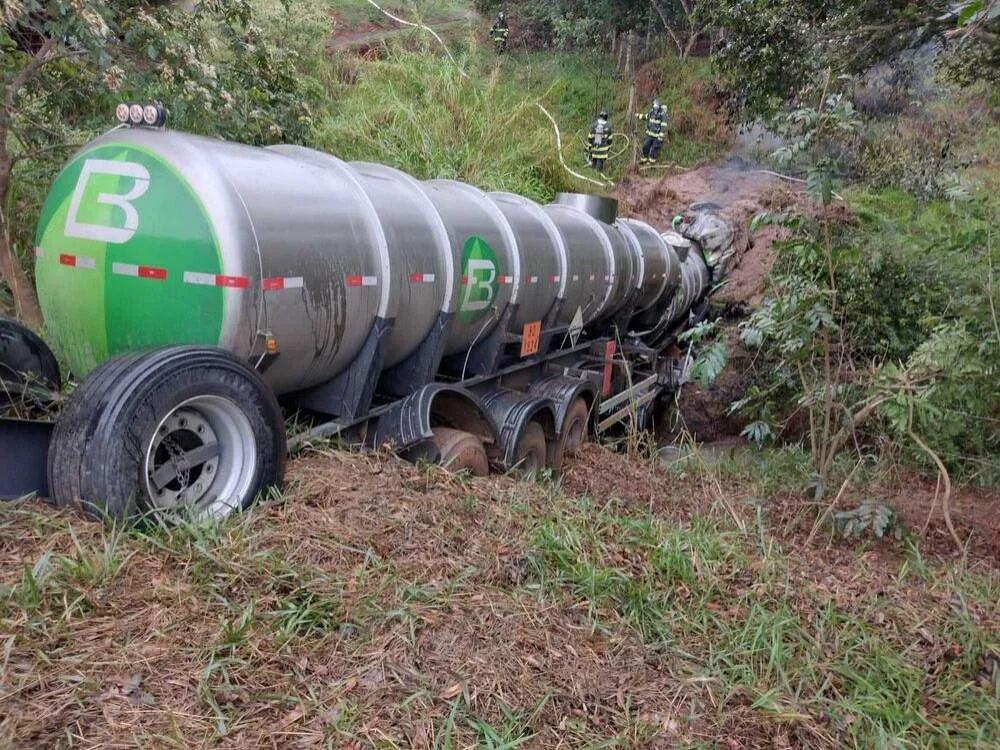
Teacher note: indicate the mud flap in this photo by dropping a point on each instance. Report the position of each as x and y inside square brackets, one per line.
[24, 447]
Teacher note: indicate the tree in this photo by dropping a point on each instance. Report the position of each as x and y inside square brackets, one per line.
[682, 23]
[66, 63]
[776, 49]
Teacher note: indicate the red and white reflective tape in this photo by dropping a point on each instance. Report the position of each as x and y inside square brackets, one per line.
[39, 253]
[422, 278]
[576, 277]
[279, 283]
[214, 279]
[506, 279]
[532, 280]
[555, 279]
[592, 277]
[139, 272]
[77, 261]
[361, 281]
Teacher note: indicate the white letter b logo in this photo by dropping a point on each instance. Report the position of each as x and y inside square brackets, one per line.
[101, 232]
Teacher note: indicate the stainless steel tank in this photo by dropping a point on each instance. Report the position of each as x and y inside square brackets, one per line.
[590, 262]
[660, 268]
[151, 237]
[624, 263]
[542, 251]
[425, 264]
[694, 283]
[485, 249]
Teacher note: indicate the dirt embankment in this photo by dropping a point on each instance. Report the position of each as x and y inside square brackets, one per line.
[365, 37]
[380, 599]
[738, 191]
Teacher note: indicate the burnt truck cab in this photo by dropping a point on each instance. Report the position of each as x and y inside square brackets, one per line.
[198, 291]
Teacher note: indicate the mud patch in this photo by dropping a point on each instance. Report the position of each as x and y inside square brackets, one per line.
[737, 191]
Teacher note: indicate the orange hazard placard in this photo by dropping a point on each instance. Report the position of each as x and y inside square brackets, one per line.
[529, 338]
[609, 363]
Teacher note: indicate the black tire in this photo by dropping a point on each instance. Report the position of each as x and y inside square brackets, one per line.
[126, 428]
[25, 358]
[75, 416]
[532, 449]
[460, 451]
[575, 427]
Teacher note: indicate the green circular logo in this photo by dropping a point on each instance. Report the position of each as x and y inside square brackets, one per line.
[480, 279]
[121, 237]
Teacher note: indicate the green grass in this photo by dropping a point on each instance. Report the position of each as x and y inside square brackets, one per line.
[355, 12]
[743, 623]
[339, 618]
[417, 112]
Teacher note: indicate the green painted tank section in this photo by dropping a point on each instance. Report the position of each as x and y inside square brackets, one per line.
[93, 313]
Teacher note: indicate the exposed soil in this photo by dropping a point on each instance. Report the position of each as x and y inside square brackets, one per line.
[975, 513]
[738, 192]
[362, 36]
[432, 582]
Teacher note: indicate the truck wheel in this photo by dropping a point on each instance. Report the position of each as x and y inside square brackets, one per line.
[575, 427]
[460, 451]
[573, 435]
[182, 428]
[532, 449]
[25, 358]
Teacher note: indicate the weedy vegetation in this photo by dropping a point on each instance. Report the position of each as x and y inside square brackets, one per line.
[386, 605]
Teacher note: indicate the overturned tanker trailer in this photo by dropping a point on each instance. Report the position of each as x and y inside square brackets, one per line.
[200, 291]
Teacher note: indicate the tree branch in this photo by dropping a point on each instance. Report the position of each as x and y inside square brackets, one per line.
[666, 25]
[942, 473]
[23, 76]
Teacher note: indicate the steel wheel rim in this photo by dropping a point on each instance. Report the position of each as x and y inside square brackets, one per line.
[202, 456]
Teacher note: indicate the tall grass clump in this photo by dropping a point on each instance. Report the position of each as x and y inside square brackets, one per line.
[418, 113]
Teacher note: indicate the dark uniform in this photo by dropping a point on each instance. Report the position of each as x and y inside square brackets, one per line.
[499, 33]
[656, 132]
[599, 142]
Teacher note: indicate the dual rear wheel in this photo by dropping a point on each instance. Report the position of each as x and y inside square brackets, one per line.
[194, 430]
[460, 451]
[188, 429]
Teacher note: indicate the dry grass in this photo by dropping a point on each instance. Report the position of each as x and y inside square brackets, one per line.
[383, 605]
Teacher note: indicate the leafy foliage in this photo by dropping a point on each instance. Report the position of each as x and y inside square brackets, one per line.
[879, 519]
[776, 50]
[903, 329]
[712, 353]
[64, 65]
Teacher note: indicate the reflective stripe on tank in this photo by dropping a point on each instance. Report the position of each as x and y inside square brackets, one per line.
[139, 272]
[214, 279]
[280, 283]
[422, 278]
[361, 281]
[77, 261]
[39, 253]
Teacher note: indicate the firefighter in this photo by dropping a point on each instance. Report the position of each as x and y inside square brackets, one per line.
[656, 132]
[500, 32]
[599, 142]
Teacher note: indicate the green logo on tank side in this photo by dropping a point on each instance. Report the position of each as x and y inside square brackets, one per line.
[480, 279]
[118, 231]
